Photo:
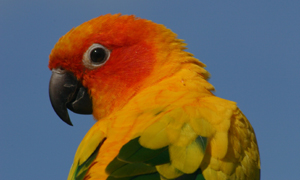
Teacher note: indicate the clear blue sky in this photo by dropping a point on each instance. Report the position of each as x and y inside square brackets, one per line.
[251, 49]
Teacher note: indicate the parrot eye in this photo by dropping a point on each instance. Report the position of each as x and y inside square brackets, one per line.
[98, 55]
[95, 56]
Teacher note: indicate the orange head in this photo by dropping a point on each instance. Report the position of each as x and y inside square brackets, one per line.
[113, 55]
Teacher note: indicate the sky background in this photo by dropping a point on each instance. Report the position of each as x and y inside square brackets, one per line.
[251, 49]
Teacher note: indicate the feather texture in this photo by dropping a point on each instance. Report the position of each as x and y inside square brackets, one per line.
[157, 117]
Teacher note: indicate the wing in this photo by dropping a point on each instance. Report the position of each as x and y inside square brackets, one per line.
[139, 163]
[232, 151]
[208, 139]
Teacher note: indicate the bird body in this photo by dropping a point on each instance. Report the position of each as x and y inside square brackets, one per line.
[156, 116]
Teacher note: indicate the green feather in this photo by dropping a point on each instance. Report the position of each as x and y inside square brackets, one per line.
[134, 152]
[129, 149]
[133, 169]
[200, 177]
[114, 165]
[162, 158]
[116, 178]
[137, 162]
[197, 175]
[154, 176]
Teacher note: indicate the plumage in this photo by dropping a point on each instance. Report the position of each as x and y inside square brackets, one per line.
[156, 116]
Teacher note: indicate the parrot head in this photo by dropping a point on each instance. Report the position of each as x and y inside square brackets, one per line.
[104, 62]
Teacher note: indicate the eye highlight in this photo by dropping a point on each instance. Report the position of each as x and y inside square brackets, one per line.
[95, 56]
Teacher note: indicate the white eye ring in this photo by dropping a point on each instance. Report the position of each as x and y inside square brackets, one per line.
[95, 56]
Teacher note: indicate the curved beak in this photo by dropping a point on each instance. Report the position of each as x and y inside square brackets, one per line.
[66, 91]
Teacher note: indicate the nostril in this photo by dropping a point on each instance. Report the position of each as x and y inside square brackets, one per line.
[59, 70]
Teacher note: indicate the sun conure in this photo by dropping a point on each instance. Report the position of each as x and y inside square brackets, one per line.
[156, 116]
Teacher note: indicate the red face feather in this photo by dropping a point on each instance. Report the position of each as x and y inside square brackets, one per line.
[117, 33]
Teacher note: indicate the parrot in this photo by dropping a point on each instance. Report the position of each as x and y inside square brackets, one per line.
[156, 115]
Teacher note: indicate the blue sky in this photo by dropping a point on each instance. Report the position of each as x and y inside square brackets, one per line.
[251, 49]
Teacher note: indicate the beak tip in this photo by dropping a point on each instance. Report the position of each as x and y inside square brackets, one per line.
[63, 115]
[68, 121]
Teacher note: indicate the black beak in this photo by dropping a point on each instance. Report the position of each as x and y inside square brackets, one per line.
[66, 91]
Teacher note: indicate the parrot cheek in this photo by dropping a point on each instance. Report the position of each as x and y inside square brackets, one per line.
[66, 91]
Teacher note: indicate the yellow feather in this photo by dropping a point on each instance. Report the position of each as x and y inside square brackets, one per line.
[210, 174]
[201, 126]
[155, 136]
[187, 136]
[219, 145]
[239, 172]
[168, 171]
[186, 158]
[214, 163]
[174, 128]
[227, 167]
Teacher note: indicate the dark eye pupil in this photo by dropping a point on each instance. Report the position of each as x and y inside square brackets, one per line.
[98, 55]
